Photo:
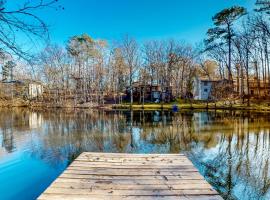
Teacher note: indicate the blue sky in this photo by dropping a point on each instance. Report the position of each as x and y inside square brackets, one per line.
[142, 19]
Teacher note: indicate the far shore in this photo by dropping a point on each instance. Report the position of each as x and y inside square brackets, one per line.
[174, 106]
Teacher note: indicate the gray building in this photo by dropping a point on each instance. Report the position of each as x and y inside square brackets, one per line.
[202, 88]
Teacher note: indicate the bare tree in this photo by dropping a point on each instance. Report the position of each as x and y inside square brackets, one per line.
[129, 49]
[118, 73]
[23, 20]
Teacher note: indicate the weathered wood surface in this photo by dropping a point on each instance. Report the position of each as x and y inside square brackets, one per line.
[116, 176]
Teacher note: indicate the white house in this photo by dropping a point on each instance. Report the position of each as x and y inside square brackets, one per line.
[35, 89]
[202, 88]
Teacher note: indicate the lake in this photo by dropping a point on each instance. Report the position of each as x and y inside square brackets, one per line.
[230, 149]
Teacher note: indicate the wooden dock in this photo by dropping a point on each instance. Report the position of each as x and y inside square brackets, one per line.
[130, 176]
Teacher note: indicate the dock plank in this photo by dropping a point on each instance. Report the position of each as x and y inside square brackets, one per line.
[130, 176]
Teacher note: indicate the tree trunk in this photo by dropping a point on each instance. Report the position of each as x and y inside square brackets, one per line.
[238, 80]
[143, 96]
[247, 74]
[131, 89]
[258, 79]
[230, 53]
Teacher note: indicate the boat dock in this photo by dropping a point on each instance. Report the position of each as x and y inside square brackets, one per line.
[116, 176]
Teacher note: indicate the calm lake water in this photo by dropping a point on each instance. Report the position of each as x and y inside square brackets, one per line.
[231, 150]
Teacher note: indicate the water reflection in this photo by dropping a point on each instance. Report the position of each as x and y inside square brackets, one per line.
[231, 149]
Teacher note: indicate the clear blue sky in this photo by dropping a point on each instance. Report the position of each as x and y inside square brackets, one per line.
[143, 19]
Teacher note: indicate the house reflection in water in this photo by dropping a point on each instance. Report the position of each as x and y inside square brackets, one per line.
[16, 125]
[200, 120]
[7, 140]
[35, 120]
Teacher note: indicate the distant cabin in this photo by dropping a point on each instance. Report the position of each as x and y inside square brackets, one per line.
[149, 93]
[257, 88]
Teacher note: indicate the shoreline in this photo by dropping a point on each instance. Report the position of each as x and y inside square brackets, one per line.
[258, 107]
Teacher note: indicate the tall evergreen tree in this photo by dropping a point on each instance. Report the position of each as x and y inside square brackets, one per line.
[4, 72]
[223, 32]
[7, 71]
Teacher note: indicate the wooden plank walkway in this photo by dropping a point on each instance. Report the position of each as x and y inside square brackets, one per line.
[114, 176]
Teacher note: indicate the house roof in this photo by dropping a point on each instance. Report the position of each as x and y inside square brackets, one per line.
[28, 81]
[138, 84]
[206, 78]
[13, 81]
[22, 82]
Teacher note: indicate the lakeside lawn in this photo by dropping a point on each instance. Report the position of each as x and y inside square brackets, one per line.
[198, 105]
[181, 105]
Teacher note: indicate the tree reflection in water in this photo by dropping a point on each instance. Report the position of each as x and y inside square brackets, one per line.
[231, 149]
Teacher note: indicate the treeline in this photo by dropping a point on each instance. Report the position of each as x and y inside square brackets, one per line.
[235, 49]
[94, 69]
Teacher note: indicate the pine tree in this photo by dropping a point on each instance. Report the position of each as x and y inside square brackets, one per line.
[7, 71]
[223, 32]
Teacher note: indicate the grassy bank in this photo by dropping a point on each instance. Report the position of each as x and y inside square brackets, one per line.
[263, 107]
[254, 106]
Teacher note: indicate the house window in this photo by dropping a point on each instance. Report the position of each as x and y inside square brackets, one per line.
[205, 90]
[205, 83]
